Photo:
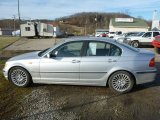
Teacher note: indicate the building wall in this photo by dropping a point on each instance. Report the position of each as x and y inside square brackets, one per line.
[125, 30]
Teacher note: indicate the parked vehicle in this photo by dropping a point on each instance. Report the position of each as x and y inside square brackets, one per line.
[103, 35]
[122, 36]
[156, 44]
[111, 34]
[16, 33]
[142, 39]
[101, 32]
[84, 61]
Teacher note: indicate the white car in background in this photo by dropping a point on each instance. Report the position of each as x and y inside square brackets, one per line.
[121, 37]
[111, 34]
[144, 38]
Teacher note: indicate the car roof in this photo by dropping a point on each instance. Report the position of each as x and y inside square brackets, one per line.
[103, 39]
[126, 48]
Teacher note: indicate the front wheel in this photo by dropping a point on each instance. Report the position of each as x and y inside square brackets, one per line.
[121, 82]
[19, 77]
[135, 44]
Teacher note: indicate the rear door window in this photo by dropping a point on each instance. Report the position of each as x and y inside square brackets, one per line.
[155, 34]
[102, 49]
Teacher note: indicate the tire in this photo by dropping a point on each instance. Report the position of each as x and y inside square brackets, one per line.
[19, 77]
[157, 50]
[121, 82]
[135, 44]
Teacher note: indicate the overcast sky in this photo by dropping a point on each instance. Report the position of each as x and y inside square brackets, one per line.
[51, 9]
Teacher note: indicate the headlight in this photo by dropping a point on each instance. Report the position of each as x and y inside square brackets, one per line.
[6, 64]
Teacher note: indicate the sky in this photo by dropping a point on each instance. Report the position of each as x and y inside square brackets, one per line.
[51, 9]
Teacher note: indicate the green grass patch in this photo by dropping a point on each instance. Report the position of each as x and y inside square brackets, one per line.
[5, 41]
[10, 95]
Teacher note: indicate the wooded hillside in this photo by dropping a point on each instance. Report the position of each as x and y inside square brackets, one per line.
[79, 23]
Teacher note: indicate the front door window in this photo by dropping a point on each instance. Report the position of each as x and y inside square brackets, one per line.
[72, 49]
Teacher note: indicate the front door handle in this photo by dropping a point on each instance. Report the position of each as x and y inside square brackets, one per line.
[75, 61]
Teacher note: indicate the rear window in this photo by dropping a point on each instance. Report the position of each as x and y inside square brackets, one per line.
[128, 46]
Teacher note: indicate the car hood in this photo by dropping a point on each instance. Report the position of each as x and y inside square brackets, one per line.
[31, 55]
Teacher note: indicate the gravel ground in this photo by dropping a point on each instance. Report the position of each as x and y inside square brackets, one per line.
[58, 102]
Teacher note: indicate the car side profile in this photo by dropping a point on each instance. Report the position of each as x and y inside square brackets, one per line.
[84, 61]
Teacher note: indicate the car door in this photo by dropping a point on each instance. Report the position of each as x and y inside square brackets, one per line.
[63, 65]
[99, 58]
[147, 38]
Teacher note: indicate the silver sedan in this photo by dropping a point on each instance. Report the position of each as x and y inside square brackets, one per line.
[84, 61]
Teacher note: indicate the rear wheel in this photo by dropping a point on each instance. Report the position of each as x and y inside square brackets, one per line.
[135, 44]
[157, 50]
[19, 77]
[121, 82]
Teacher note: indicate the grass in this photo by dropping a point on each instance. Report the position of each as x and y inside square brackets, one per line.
[10, 95]
[2, 83]
[5, 41]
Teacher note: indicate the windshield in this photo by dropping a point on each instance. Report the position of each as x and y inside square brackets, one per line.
[140, 34]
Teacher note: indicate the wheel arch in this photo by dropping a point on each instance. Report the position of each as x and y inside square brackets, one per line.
[20, 67]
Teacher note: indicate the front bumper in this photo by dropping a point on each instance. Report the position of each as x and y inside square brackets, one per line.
[146, 77]
[5, 73]
[127, 41]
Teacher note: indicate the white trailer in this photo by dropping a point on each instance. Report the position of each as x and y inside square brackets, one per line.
[28, 29]
[32, 29]
[45, 30]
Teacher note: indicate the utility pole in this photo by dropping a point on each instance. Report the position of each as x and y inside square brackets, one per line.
[96, 20]
[19, 13]
[86, 27]
[19, 17]
[14, 19]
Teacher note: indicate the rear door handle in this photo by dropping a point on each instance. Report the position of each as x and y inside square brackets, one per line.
[75, 61]
[110, 60]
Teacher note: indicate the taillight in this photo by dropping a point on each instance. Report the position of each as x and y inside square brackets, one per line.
[152, 62]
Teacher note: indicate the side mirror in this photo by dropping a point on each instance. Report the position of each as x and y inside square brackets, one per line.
[52, 55]
[48, 55]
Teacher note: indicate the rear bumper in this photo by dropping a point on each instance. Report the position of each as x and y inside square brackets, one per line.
[145, 77]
